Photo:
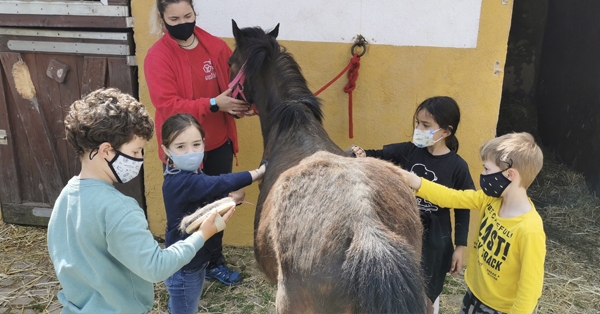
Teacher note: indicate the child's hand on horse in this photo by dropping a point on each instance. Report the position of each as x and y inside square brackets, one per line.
[258, 173]
[358, 151]
[238, 196]
[214, 223]
[413, 180]
[231, 105]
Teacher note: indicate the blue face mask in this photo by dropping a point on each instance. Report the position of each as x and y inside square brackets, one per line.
[494, 184]
[187, 162]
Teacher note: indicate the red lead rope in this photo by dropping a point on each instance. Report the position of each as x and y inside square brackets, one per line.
[352, 69]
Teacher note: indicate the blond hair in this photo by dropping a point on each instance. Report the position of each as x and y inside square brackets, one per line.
[156, 22]
[515, 150]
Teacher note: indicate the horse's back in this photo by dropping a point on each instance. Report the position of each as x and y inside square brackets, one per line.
[347, 237]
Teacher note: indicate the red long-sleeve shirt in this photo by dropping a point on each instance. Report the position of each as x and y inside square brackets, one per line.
[168, 71]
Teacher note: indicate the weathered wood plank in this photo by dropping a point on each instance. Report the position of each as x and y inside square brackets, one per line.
[9, 189]
[31, 115]
[94, 74]
[31, 20]
[120, 75]
[118, 2]
[29, 177]
[134, 188]
[26, 214]
[71, 46]
[70, 91]
[50, 102]
[78, 36]
[58, 7]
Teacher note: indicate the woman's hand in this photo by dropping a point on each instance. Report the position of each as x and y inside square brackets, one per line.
[231, 105]
[457, 260]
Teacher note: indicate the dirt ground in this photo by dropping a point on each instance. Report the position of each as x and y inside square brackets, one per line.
[571, 284]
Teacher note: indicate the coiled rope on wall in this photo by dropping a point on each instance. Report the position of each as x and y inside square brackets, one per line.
[352, 74]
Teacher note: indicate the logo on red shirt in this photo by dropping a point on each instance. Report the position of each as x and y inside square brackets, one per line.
[208, 68]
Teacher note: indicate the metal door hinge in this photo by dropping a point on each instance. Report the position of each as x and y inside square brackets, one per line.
[3, 137]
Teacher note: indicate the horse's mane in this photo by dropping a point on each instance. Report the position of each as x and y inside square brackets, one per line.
[291, 117]
[263, 51]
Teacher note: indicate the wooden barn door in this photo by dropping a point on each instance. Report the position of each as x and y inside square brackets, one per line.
[42, 72]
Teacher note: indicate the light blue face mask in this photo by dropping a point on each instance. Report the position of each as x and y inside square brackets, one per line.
[189, 161]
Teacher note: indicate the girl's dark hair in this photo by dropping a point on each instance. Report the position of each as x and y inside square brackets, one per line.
[176, 124]
[446, 114]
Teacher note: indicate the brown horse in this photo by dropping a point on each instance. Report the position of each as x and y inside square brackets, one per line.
[337, 234]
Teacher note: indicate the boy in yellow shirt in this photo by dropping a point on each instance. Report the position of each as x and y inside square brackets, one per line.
[505, 273]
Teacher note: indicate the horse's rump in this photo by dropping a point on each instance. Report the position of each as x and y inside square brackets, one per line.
[347, 235]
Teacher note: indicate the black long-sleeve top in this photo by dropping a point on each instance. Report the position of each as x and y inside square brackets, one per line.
[449, 170]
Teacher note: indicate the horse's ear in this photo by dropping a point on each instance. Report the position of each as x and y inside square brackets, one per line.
[274, 32]
[237, 34]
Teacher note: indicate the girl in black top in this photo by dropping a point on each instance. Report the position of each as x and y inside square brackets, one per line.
[432, 155]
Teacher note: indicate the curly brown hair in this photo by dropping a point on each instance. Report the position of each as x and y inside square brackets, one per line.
[106, 115]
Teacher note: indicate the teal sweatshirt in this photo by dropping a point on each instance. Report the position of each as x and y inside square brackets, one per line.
[104, 256]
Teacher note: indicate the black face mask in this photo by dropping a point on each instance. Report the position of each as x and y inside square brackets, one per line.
[181, 31]
[494, 184]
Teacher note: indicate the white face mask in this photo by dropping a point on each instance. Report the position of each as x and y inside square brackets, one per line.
[125, 167]
[424, 138]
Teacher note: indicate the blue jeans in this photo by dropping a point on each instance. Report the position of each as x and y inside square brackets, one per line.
[472, 305]
[185, 289]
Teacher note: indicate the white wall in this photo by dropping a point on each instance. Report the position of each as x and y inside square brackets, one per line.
[433, 23]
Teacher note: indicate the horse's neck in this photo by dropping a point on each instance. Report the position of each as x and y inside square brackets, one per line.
[266, 97]
[300, 142]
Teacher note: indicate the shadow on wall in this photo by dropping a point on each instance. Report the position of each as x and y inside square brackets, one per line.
[552, 81]
[568, 87]
[517, 110]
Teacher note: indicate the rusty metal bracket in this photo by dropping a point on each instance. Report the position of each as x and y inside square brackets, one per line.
[359, 42]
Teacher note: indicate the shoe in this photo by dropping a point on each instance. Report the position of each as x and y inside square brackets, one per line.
[227, 276]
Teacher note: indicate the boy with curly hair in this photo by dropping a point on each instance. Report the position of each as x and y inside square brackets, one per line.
[505, 273]
[104, 256]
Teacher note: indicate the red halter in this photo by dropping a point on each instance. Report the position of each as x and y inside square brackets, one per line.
[238, 83]
[238, 88]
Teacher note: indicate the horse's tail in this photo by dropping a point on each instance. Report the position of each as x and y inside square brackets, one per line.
[384, 272]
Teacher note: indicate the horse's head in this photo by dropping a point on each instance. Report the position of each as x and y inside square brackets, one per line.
[272, 80]
[254, 48]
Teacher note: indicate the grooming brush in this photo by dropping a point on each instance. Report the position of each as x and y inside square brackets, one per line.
[192, 222]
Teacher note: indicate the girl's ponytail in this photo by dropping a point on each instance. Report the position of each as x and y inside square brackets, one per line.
[452, 142]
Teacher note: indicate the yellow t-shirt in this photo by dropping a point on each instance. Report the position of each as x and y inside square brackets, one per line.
[506, 262]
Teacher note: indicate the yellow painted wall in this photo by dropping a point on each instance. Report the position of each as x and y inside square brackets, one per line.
[392, 82]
